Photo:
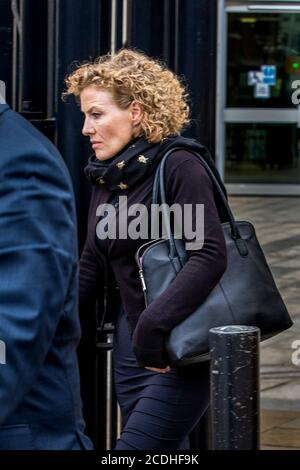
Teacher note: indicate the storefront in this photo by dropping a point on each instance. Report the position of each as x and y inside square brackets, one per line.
[258, 112]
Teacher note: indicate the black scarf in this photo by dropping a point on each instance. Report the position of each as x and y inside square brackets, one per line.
[138, 160]
[134, 163]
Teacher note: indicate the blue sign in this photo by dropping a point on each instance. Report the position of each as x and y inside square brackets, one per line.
[269, 74]
[262, 80]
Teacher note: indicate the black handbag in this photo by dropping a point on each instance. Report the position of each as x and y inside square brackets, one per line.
[246, 294]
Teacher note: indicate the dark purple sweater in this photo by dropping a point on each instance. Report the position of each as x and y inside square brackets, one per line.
[186, 183]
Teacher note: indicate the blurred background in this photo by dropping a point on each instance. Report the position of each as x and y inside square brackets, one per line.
[240, 61]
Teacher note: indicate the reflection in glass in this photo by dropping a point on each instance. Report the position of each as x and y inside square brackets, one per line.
[262, 153]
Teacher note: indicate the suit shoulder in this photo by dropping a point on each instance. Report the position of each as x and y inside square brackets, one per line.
[23, 127]
[23, 144]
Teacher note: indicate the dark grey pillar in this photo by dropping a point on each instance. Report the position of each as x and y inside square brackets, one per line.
[235, 387]
[183, 33]
[83, 32]
[148, 18]
[196, 35]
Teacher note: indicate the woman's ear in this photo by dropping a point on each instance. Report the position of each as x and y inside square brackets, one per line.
[136, 113]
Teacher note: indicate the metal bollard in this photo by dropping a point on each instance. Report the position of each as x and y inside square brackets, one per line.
[234, 382]
[108, 418]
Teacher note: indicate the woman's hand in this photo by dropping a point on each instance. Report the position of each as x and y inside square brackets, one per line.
[161, 371]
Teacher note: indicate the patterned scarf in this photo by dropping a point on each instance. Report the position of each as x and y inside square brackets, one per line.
[123, 171]
[138, 160]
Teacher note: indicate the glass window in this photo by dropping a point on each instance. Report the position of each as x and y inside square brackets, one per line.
[256, 40]
[262, 153]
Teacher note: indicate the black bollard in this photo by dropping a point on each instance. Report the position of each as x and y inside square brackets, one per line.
[234, 381]
[107, 415]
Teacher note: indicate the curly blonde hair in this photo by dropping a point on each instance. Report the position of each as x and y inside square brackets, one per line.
[132, 76]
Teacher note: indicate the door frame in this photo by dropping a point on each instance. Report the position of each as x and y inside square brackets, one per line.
[239, 115]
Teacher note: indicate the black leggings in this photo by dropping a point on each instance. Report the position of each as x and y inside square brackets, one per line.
[158, 410]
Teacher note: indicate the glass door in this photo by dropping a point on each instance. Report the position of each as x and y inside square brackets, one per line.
[260, 116]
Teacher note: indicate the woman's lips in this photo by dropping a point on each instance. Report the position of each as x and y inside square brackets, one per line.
[96, 144]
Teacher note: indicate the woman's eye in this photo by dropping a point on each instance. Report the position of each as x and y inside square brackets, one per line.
[96, 115]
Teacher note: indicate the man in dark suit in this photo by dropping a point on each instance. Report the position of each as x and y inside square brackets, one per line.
[40, 405]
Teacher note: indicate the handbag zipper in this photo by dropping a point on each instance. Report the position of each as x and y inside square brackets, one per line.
[144, 287]
[152, 243]
[137, 255]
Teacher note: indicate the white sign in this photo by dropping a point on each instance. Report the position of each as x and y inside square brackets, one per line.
[255, 77]
[2, 92]
[261, 90]
[262, 80]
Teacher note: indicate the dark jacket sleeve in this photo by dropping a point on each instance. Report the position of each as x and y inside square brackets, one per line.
[92, 267]
[37, 256]
[186, 183]
[91, 279]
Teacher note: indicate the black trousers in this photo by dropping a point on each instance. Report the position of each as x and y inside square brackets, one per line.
[158, 410]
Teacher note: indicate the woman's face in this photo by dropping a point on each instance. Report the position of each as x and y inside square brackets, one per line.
[108, 126]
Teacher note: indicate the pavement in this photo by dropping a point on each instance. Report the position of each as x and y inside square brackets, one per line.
[280, 430]
[277, 224]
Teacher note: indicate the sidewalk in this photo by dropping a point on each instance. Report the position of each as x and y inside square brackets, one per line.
[280, 430]
[277, 224]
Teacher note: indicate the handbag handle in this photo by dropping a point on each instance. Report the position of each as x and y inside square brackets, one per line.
[159, 190]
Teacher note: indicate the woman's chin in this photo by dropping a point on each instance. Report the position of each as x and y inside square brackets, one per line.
[101, 155]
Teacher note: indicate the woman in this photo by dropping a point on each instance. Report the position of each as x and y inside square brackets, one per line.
[134, 112]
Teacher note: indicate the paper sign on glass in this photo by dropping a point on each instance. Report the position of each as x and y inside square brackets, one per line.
[261, 90]
[255, 77]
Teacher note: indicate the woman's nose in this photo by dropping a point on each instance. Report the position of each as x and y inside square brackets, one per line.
[87, 128]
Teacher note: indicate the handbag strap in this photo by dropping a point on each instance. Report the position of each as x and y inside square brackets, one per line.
[159, 192]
